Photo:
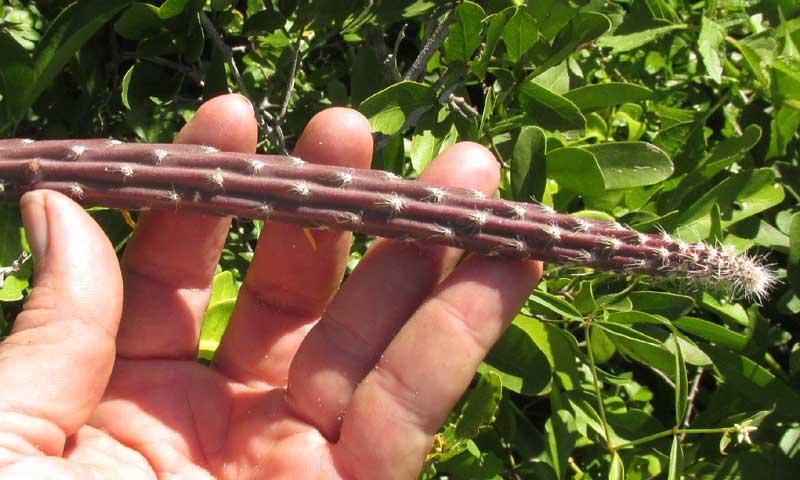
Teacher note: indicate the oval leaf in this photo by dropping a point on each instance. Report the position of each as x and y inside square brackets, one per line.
[740, 196]
[389, 110]
[593, 97]
[140, 20]
[576, 169]
[528, 165]
[631, 164]
[480, 406]
[522, 366]
[520, 34]
[548, 109]
[465, 33]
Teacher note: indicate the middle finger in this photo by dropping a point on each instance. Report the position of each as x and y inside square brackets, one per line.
[390, 283]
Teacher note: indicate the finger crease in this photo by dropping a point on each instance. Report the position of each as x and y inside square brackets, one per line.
[285, 302]
[451, 313]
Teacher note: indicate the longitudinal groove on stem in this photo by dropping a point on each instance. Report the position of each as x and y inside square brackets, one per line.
[198, 178]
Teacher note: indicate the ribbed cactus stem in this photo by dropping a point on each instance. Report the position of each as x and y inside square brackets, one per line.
[197, 178]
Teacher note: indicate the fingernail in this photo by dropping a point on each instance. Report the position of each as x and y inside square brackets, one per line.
[34, 218]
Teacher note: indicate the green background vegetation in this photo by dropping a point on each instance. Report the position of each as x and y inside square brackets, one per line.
[656, 113]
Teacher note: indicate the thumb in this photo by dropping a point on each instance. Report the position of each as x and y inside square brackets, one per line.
[56, 363]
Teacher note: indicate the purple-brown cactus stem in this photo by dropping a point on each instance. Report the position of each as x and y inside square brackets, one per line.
[199, 178]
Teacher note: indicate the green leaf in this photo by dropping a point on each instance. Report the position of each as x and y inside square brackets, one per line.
[681, 384]
[785, 84]
[631, 164]
[494, 31]
[584, 299]
[602, 95]
[754, 382]
[716, 235]
[390, 109]
[465, 33]
[528, 164]
[755, 60]
[711, 43]
[675, 459]
[713, 333]
[793, 264]
[264, 21]
[729, 150]
[223, 299]
[126, 88]
[642, 348]
[603, 349]
[583, 28]
[551, 15]
[740, 196]
[146, 83]
[561, 436]
[548, 109]
[556, 346]
[516, 428]
[12, 244]
[63, 38]
[731, 313]
[173, 8]
[617, 470]
[669, 305]
[542, 302]
[635, 317]
[632, 41]
[140, 20]
[628, 424]
[430, 138]
[576, 169]
[16, 74]
[783, 129]
[520, 34]
[480, 406]
[521, 365]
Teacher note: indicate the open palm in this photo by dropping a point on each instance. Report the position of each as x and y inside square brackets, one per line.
[311, 380]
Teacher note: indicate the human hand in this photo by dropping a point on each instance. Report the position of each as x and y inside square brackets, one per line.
[310, 381]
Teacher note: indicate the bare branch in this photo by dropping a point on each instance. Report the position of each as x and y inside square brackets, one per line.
[226, 51]
[430, 47]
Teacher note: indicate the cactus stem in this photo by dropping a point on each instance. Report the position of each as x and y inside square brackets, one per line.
[201, 179]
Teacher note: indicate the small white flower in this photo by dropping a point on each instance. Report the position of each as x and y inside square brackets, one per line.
[743, 431]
